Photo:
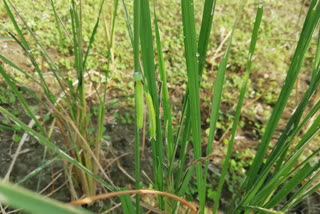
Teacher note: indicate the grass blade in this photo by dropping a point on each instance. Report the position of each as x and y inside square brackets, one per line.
[37, 170]
[149, 72]
[57, 22]
[18, 197]
[206, 24]
[115, 11]
[190, 44]
[226, 163]
[129, 28]
[168, 135]
[18, 69]
[126, 203]
[94, 31]
[136, 42]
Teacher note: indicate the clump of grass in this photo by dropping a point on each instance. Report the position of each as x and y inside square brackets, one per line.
[81, 134]
[271, 177]
[195, 52]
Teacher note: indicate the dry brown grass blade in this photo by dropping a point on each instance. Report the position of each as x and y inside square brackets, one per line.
[89, 200]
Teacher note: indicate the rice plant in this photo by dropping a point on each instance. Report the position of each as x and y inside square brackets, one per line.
[70, 109]
[272, 176]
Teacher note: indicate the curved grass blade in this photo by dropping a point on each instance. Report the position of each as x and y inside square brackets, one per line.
[264, 173]
[183, 149]
[16, 27]
[316, 65]
[302, 192]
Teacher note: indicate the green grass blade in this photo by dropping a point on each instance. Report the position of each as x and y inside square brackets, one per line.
[43, 50]
[183, 149]
[136, 34]
[34, 63]
[57, 22]
[36, 171]
[168, 135]
[206, 24]
[316, 64]
[207, 17]
[77, 50]
[136, 42]
[4, 59]
[94, 31]
[16, 27]
[301, 193]
[137, 167]
[190, 45]
[311, 22]
[115, 11]
[182, 189]
[126, 203]
[215, 101]
[127, 18]
[26, 47]
[20, 198]
[151, 85]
